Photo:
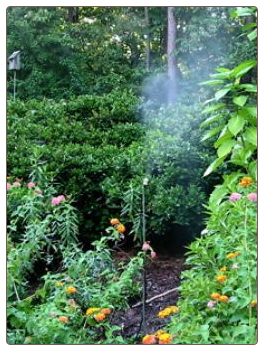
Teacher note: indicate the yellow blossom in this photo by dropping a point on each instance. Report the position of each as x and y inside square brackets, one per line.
[215, 296]
[165, 339]
[59, 284]
[91, 310]
[245, 182]
[221, 278]
[223, 298]
[149, 339]
[99, 317]
[71, 290]
[223, 269]
[253, 303]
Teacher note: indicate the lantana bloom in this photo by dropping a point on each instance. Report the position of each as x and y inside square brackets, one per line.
[8, 186]
[224, 298]
[165, 339]
[153, 254]
[16, 185]
[114, 221]
[121, 228]
[245, 182]
[91, 311]
[211, 304]
[235, 197]
[253, 197]
[146, 246]
[99, 317]
[221, 278]
[149, 339]
[71, 290]
[57, 200]
[31, 185]
[63, 319]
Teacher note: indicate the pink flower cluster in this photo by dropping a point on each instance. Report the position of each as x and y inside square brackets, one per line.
[57, 200]
[236, 196]
[211, 304]
[31, 185]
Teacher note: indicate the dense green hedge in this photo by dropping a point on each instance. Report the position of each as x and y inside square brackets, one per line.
[98, 149]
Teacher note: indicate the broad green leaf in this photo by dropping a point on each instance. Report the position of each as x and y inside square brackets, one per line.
[244, 11]
[222, 69]
[212, 82]
[221, 93]
[240, 100]
[213, 166]
[250, 135]
[253, 169]
[252, 35]
[217, 195]
[212, 108]
[226, 136]
[243, 68]
[252, 111]
[236, 124]
[226, 147]
[248, 26]
[221, 75]
[252, 88]
[210, 133]
[210, 120]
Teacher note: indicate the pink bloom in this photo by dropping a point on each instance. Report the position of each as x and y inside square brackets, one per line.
[54, 201]
[252, 197]
[153, 254]
[57, 200]
[146, 246]
[211, 304]
[61, 198]
[67, 279]
[31, 185]
[235, 196]
[8, 186]
[16, 185]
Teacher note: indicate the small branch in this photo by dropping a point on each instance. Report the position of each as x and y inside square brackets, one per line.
[156, 297]
[18, 298]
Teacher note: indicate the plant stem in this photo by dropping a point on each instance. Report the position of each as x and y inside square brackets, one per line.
[248, 268]
[144, 272]
[18, 298]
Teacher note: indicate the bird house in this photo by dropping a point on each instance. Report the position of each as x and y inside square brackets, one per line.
[15, 61]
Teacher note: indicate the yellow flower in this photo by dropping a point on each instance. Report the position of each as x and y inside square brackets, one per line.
[245, 182]
[121, 228]
[114, 221]
[165, 339]
[174, 309]
[59, 284]
[223, 269]
[253, 303]
[221, 278]
[159, 333]
[71, 290]
[92, 310]
[215, 296]
[233, 254]
[223, 298]
[63, 319]
[149, 339]
[167, 311]
[99, 317]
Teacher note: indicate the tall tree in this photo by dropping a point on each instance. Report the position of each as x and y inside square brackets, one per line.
[147, 38]
[171, 47]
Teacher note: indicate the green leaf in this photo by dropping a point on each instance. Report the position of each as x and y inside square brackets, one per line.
[248, 26]
[250, 135]
[243, 68]
[210, 133]
[252, 88]
[217, 195]
[236, 124]
[212, 82]
[244, 11]
[210, 120]
[224, 135]
[222, 69]
[210, 109]
[252, 35]
[253, 169]
[226, 147]
[240, 100]
[213, 166]
[221, 93]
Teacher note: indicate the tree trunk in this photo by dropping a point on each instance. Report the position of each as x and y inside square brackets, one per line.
[73, 14]
[147, 38]
[171, 55]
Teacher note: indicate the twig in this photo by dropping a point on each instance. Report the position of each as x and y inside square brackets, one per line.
[18, 298]
[156, 297]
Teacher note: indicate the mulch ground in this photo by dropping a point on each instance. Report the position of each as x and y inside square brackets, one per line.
[162, 274]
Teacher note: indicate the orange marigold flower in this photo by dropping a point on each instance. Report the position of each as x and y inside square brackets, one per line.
[91, 310]
[121, 228]
[223, 298]
[63, 319]
[165, 339]
[253, 303]
[245, 182]
[114, 221]
[223, 269]
[59, 284]
[221, 278]
[164, 313]
[106, 311]
[215, 296]
[99, 317]
[149, 339]
[71, 290]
